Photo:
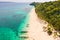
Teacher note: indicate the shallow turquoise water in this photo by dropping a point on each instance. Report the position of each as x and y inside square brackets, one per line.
[13, 18]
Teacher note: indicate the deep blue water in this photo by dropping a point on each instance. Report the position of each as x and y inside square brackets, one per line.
[13, 18]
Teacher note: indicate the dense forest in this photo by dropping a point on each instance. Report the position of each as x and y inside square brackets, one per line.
[50, 12]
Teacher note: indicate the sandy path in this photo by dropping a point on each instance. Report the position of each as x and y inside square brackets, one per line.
[35, 29]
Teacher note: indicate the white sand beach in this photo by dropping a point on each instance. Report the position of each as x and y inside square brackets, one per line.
[35, 29]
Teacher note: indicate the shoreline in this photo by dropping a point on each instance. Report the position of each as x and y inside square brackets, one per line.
[35, 29]
[24, 28]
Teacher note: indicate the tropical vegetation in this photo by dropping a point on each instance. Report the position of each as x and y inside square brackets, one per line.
[50, 12]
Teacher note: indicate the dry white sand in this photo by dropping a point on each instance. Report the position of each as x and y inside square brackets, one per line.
[35, 29]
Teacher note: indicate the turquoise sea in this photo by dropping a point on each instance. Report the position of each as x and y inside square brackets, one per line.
[13, 18]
